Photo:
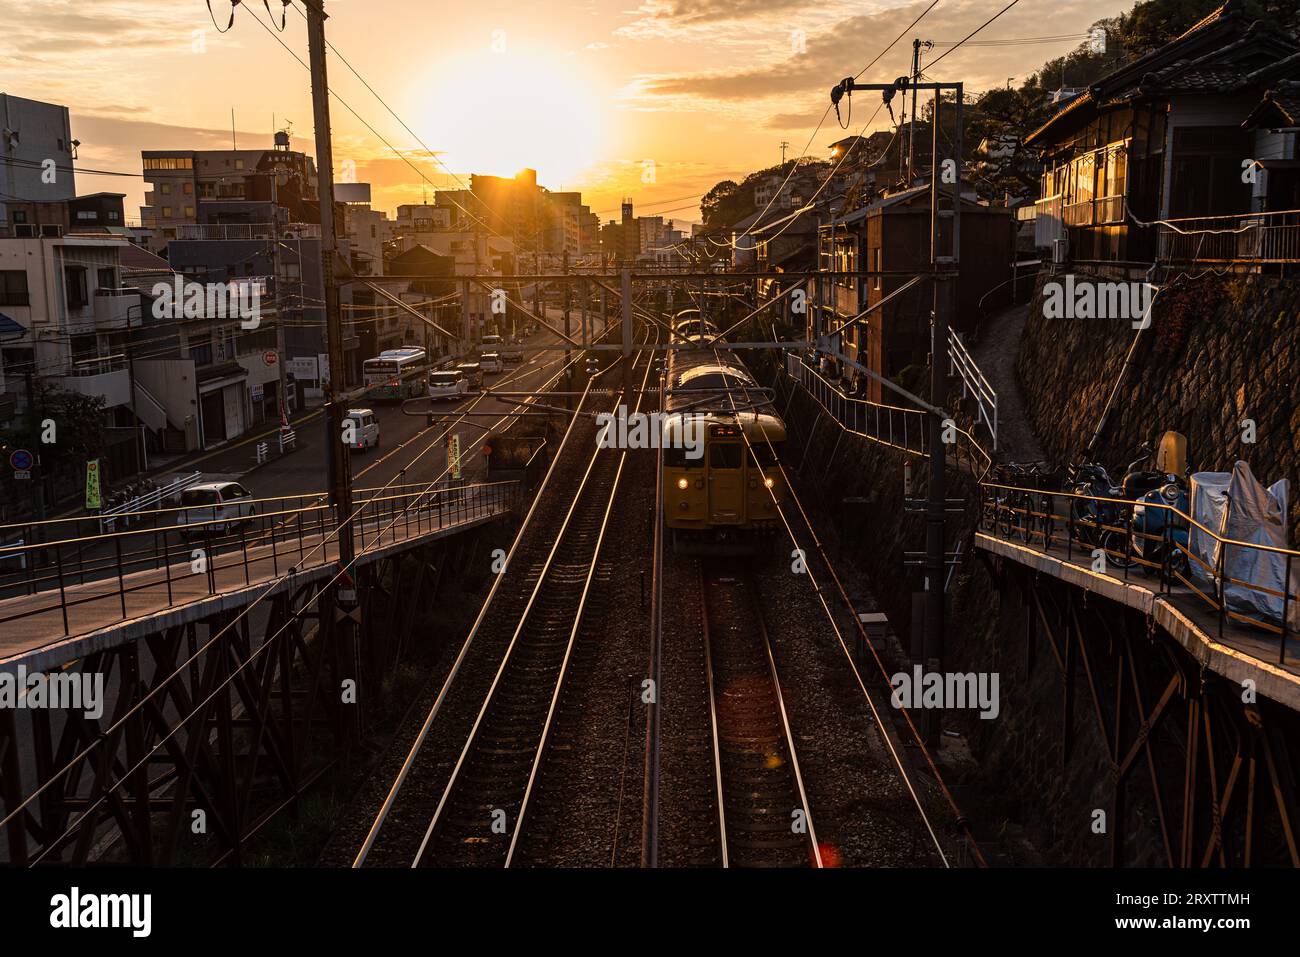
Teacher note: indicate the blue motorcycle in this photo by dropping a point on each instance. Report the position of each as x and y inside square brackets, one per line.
[1159, 535]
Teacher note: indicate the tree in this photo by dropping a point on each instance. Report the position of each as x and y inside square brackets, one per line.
[74, 422]
[724, 204]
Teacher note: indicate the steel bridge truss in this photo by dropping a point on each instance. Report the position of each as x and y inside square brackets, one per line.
[211, 729]
[1183, 747]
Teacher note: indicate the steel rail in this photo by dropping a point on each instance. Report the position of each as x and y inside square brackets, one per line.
[750, 599]
[650, 772]
[718, 792]
[409, 762]
[543, 578]
[848, 654]
[548, 724]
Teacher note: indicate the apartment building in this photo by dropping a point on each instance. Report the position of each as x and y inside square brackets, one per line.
[179, 181]
[65, 294]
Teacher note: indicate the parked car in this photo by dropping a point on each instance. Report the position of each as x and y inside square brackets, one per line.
[491, 363]
[224, 504]
[491, 343]
[451, 384]
[365, 428]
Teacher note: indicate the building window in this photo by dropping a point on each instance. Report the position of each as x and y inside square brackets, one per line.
[166, 188]
[13, 288]
[168, 162]
[189, 212]
[85, 214]
[74, 281]
[202, 355]
[167, 212]
[239, 164]
[187, 188]
[20, 216]
[107, 278]
[113, 216]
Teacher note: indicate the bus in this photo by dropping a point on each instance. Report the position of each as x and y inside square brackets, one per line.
[396, 374]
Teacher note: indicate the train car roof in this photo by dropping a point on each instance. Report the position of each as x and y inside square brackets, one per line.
[757, 426]
[713, 368]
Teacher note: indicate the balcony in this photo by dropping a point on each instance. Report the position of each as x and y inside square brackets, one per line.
[247, 231]
[1247, 238]
[1095, 212]
[115, 308]
[108, 379]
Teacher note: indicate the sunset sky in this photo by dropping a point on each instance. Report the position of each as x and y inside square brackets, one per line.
[584, 91]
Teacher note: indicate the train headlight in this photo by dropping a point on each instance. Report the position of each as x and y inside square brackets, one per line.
[769, 482]
[683, 484]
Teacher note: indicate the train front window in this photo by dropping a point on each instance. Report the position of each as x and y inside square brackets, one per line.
[725, 455]
[762, 455]
[677, 458]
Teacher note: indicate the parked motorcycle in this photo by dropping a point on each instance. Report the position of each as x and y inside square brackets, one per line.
[1159, 534]
[1098, 523]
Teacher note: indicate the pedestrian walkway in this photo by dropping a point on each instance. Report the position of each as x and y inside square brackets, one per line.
[76, 619]
[996, 355]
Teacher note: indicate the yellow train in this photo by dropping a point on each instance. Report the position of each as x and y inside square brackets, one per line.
[721, 437]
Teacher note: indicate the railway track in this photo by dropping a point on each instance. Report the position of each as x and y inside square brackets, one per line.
[764, 818]
[503, 703]
[478, 820]
[485, 805]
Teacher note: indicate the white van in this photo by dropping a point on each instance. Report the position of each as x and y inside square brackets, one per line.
[491, 343]
[448, 384]
[365, 429]
[216, 503]
[491, 363]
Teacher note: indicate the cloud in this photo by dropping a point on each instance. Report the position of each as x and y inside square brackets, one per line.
[679, 12]
[792, 121]
[844, 48]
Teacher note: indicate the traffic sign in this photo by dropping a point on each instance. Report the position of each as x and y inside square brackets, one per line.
[270, 358]
[21, 460]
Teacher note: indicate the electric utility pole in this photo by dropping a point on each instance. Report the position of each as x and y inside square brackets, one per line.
[345, 594]
[944, 266]
[911, 127]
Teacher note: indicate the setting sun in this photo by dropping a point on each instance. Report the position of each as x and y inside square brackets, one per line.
[495, 113]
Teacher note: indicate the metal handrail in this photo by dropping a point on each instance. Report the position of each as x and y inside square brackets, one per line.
[972, 377]
[55, 568]
[1015, 506]
[836, 409]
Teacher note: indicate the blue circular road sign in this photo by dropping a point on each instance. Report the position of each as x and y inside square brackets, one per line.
[21, 460]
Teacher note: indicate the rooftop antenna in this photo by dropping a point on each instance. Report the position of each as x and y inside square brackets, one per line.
[233, 144]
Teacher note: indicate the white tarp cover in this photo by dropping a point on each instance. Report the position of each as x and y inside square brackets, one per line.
[1253, 514]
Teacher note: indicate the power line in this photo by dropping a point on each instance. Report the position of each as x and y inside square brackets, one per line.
[971, 34]
[383, 139]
